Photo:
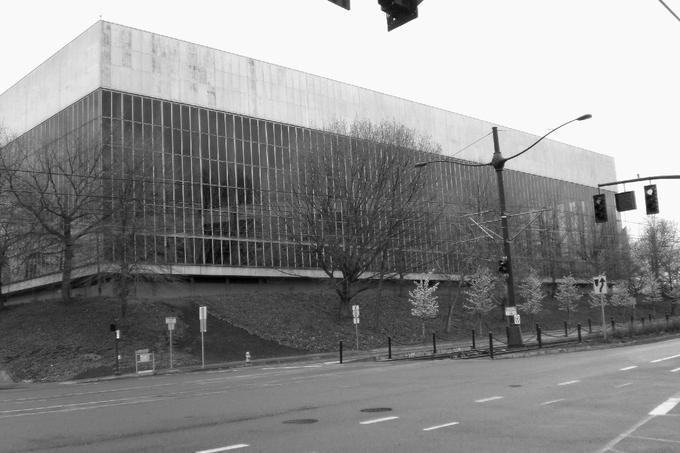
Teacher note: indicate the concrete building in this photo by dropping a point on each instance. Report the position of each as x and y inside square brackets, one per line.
[218, 125]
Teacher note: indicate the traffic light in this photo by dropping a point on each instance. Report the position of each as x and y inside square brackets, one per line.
[112, 327]
[343, 3]
[503, 265]
[651, 200]
[399, 11]
[600, 204]
[625, 201]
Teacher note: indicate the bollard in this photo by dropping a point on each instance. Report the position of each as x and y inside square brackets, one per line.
[667, 319]
[578, 329]
[539, 338]
[613, 324]
[389, 347]
[247, 358]
[632, 320]
[473, 339]
[650, 317]
[590, 326]
[340, 351]
[642, 321]
[490, 345]
[566, 333]
[434, 343]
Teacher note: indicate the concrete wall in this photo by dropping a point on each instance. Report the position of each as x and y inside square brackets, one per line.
[135, 61]
[65, 77]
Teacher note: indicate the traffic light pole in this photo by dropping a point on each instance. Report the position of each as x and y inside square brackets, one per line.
[498, 163]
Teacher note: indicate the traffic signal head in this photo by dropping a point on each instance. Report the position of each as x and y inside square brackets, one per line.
[399, 11]
[503, 265]
[651, 200]
[600, 205]
[112, 327]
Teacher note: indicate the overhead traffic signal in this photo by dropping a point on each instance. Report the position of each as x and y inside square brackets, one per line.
[399, 11]
[651, 200]
[625, 201]
[600, 205]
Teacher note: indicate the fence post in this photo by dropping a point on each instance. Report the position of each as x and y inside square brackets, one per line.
[566, 333]
[389, 347]
[473, 339]
[578, 329]
[539, 338]
[491, 345]
[613, 324]
[642, 321]
[590, 326]
[434, 343]
[667, 319]
[650, 317]
[340, 351]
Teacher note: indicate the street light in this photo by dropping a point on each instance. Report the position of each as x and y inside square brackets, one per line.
[498, 163]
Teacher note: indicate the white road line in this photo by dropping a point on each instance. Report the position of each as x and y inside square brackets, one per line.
[552, 401]
[610, 446]
[665, 358]
[628, 368]
[569, 382]
[230, 447]
[331, 363]
[625, 384]
[675, 370]
[313, 366]
[492, 398]
[671, 441]
[440, 426]
[377, 420]
[665, 407]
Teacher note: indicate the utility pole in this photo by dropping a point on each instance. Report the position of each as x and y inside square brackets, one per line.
[498, 163]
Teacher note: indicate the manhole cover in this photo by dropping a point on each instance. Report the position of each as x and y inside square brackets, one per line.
[301, 421]
[515, 385]
[377, 409]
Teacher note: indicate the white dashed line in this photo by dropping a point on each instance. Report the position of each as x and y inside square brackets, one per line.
[377, 420]
[569, 382]
[492, 398]
[230, 447]
[552, 402]
[665, 358]
[625, 384]
[440, 426]
[628, 368]
[675, 370]
[665, 407]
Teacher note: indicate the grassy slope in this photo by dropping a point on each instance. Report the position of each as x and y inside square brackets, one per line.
[50, 341]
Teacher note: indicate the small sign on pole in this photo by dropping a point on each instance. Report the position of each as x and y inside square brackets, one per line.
[171, 321]
[600, 288]
[517, 318]
[203, 318]
[510, 311]
[355, 320]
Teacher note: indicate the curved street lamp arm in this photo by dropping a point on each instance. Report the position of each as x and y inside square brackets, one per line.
[580, 118]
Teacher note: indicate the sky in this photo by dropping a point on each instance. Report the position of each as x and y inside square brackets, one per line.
[524, 64]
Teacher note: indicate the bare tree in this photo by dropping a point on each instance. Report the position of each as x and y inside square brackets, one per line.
[481, 296]
[658, 254]
[359, 201]
[58, 186]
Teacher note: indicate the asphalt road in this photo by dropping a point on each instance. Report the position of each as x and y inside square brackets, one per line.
[616, 400]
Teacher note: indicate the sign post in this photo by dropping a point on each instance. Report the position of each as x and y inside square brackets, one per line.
[600, 288]
[171, 321]
[355, 315]
[203, 318]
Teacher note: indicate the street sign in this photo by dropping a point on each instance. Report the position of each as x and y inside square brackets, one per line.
[355, 311]
[600, 284]
[202, 312]
[510, 311]
[356, 320]
[171, 321]
[517, 319]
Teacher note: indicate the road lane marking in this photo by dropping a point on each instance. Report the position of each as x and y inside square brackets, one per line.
[656, 439]
[628, 368]
[230, 447]
[575, 381]
[665, 407]
[663, 359]
[378, 420]
[675, 370]
[440, 426]
[491, 398]
[552, 401]
[625, 384]
[331, 363]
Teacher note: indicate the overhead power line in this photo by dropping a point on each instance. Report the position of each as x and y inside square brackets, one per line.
[669, 9]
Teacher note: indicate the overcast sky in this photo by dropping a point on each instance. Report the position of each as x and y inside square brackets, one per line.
[524, 64]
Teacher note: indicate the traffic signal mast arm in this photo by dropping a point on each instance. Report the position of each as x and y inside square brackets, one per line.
[648, 178]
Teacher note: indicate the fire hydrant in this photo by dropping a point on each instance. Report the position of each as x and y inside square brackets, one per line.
[247, 358]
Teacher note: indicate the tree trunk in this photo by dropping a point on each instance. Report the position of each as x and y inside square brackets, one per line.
[68, 265]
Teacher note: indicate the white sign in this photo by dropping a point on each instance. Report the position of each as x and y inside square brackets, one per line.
[203, 312]
[355, 311]
[356, 320]
[171, 321]
[517, 319]
[600, 284]
[510, 311]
